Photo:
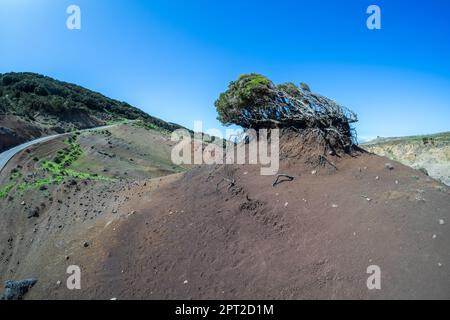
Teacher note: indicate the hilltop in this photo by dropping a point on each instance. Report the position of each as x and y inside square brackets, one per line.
[33, 105]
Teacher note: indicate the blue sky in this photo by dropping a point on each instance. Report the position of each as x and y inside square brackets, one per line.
[173, 58]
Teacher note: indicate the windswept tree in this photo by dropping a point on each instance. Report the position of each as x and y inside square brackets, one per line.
[253, 101]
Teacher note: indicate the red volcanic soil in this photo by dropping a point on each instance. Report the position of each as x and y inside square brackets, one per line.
[198, 236]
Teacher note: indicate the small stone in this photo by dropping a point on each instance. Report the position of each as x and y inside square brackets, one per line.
[441, 221]
[439, 264]
[58, 283]
[377, 178]
[396, 181]
[286, 204]
[314, 172]
[86, 244]
[33, 213]
[22, 203]
[334, 206]
[389, 166]
[185, 282]
[113, 299]
[434, 236]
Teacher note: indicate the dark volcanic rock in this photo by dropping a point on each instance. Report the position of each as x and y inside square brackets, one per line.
[16, 290]
[33, 213]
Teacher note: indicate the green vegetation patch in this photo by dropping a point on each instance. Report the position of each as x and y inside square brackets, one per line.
[58, 170]
[4, 191]
[59, 167]
[151, 126]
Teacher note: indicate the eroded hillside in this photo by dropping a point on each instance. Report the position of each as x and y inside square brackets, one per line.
[431, 154]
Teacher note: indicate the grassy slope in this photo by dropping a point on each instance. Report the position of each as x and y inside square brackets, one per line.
[125, 152]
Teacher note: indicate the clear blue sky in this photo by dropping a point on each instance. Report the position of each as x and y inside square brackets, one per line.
[172, 58]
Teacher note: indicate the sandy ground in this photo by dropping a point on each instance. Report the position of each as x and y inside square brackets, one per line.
[195, 236]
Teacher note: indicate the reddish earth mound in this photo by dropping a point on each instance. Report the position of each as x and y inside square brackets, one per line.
[225, 232]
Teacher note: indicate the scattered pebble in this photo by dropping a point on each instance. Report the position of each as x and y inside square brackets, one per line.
[434, 236]
[334, 206]
[377, 178]
[185, 282]
[441, 222]
[113, 299]
[314, 172]
[439, 264]
[58, 283]
[86, 244]
[286, 204]
[389, 166]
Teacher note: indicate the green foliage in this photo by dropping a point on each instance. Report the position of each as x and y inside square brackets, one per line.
[305, 86]
[64, 158]
[4, 191]
[290, 89]
[151, 126]
[24, 186]
[14, 175]
[25, 94]
[244, 101]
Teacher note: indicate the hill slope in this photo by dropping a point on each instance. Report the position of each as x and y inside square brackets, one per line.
[429, 152]
[32, 105]
[195, 235]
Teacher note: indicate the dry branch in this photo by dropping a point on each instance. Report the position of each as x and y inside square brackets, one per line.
[277, 180]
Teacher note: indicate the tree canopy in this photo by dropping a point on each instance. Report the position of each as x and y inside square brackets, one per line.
[253, 101]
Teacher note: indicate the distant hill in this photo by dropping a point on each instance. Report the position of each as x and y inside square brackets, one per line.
[33, 105]
[436, 138]
[429, 153]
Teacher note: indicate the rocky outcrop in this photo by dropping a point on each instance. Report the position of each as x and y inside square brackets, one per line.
[427, 154]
